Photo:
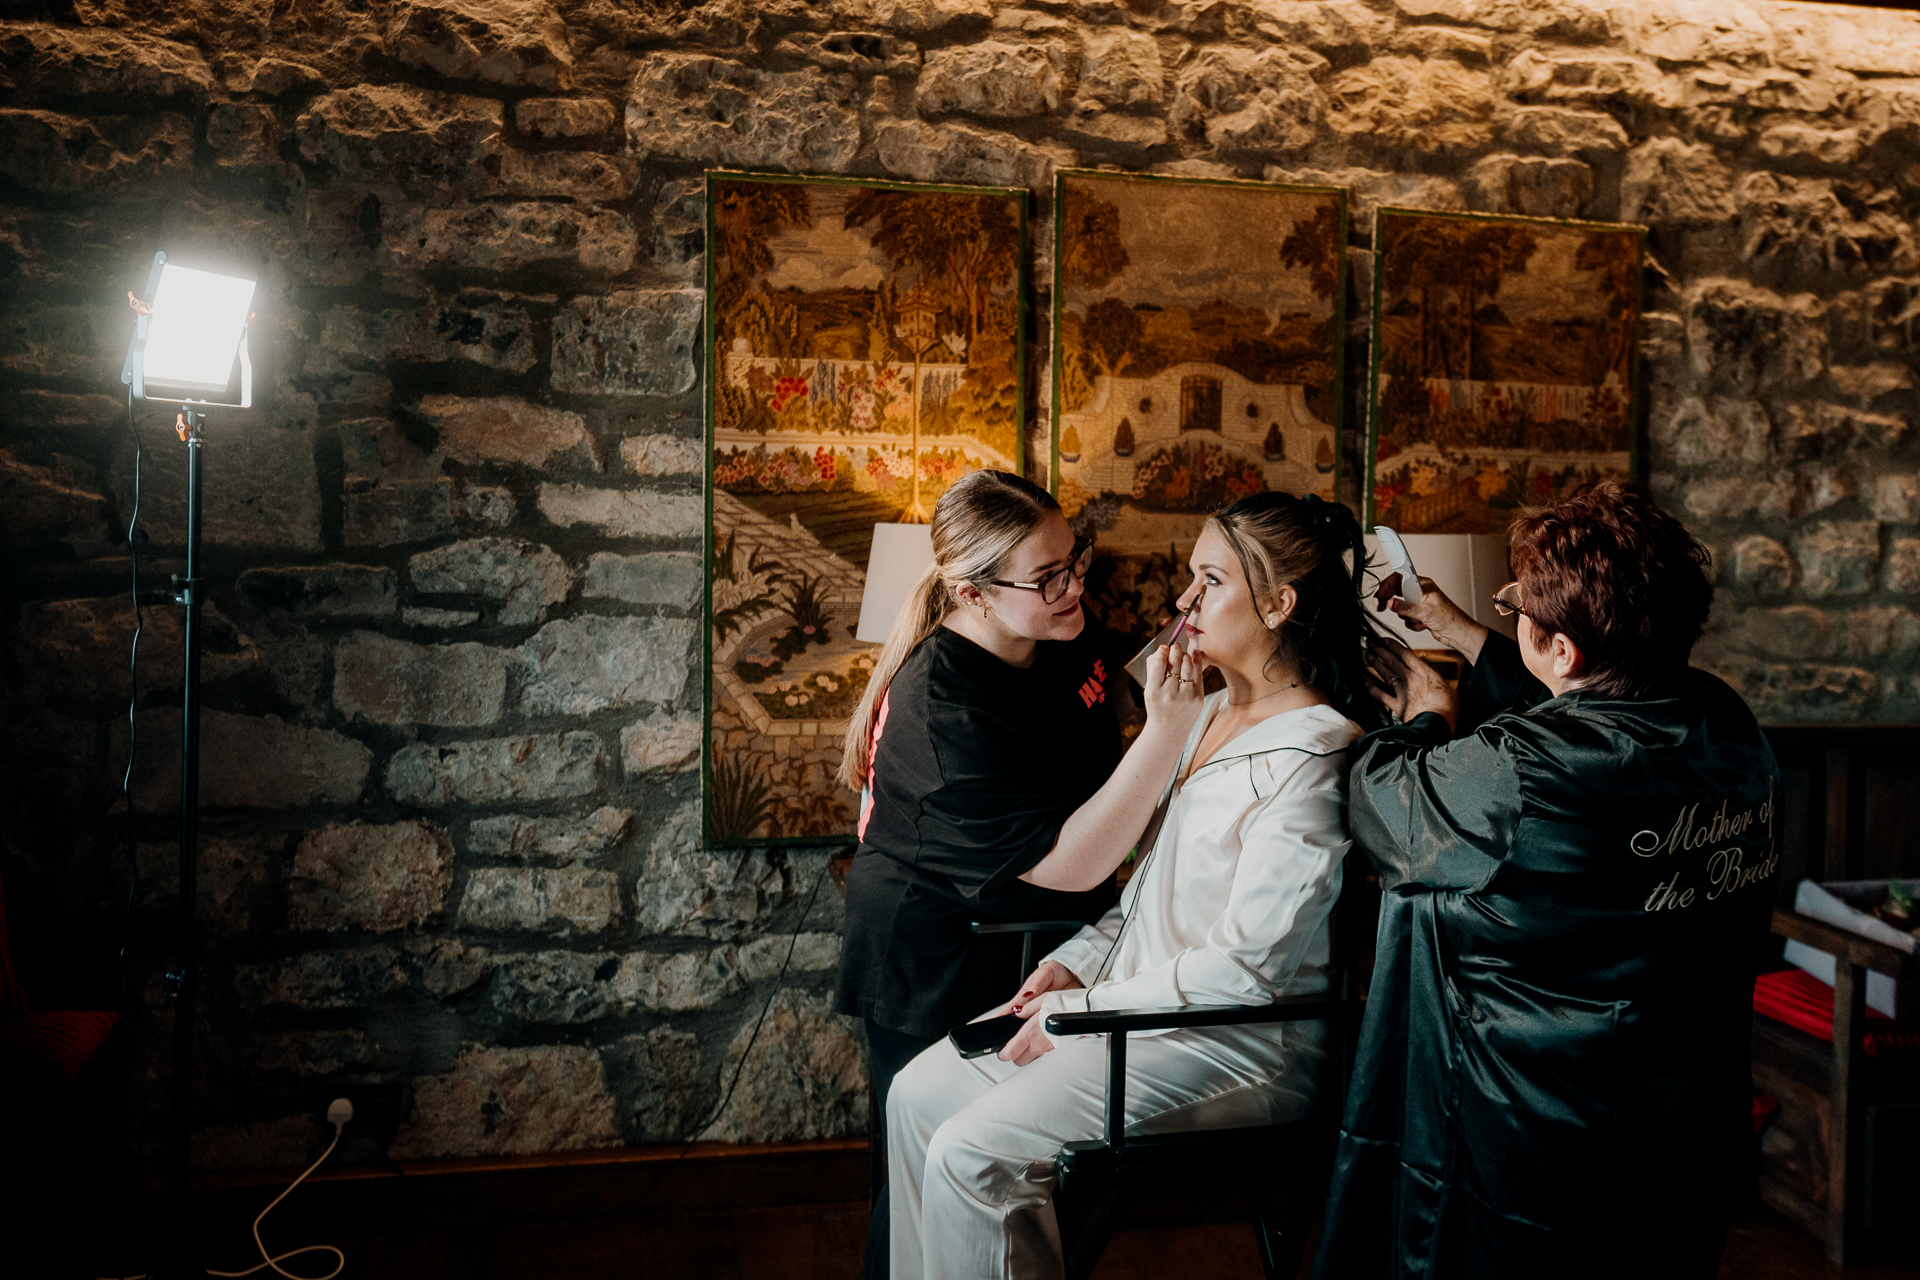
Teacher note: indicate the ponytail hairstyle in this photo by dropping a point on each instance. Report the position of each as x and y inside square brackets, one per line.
[1281, 540]
[976, 525]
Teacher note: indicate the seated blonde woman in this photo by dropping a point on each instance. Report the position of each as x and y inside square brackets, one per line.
[1229, 906]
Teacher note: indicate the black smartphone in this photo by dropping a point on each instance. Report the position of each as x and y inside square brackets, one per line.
[978, 1039]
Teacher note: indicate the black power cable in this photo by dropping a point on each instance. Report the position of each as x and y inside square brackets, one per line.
[133, 675]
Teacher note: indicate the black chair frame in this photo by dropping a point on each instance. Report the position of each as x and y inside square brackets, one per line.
[1097, 1178]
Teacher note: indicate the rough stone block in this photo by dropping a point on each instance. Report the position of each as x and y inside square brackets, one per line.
[680, 229]
[424, 137]
[322, 979]
[245, 136]
[623, 513]
[857, 51]
[633, 342]
[663, 577]
[803, 1076]
[1693, 31]
[1801, 633]
[518, 237]
[64, 61]
[916, 17]
[524, 576]
[1838, 557]
[582, 665]
[1584, 133]
[516, 43]
[962, 153]
[558, 988]
[322, 591]
[1896, 498]
[1881, 632]
[490, 505]
[1801, 691]
[661, 743]
[1741, 497]
[490, 334]
[549, 118]
[510, 1102]
[246, 762]
[1668, 182]
[663, 456]
[272, 77]
[1813, 227]
[1903, 567]
[501, 429]
[992, 78]
[393, 682]
[693, 107]
[687, 890]
[570, 175]
[1367, 189]
[1530, 185]
[559, 840]
[549, 766]
[1533, 76]
[662, 1070]
[1750, 339]
[575, 899]
[1132, 133]
[1405, 102]
[1762, 566]
[1867, 383]
[395, 512]
[1236, 99]
[1816, 429]
[378, 878]
[678, 982]
[448, 967]
[1824, 147]
[1712, 432]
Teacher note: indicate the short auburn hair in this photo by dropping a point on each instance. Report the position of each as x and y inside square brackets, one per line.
[1619, 577]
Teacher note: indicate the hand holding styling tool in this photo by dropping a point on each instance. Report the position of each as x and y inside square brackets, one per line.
[1398, 560]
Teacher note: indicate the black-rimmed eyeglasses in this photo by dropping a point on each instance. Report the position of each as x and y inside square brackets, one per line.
[1052, 586]
[1506, 602]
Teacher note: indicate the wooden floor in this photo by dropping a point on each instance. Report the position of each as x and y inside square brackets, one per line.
[822, 1242]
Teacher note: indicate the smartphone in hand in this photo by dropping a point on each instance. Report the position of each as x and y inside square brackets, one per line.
[978, 1039]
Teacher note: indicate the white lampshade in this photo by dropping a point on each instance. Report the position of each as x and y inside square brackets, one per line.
[194, 332]
[1468, 567]
[901, 554]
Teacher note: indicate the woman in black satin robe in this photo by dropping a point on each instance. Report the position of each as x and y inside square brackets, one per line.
[1577, 856]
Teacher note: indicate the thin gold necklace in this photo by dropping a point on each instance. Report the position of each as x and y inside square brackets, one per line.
[1263, 697]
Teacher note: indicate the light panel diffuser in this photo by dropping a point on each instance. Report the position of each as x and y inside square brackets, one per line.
[198, 318]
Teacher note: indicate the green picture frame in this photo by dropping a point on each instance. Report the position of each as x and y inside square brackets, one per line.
[863, 349]
[1546, 312]
[1199, 354]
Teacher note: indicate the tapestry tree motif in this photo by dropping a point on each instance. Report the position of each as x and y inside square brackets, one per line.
[1197, 359]
[864, 353]
[1503, 365]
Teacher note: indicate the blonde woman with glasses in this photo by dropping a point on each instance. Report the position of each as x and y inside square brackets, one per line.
[987, 744]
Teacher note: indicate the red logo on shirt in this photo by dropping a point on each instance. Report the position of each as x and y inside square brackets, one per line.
[1095, 689]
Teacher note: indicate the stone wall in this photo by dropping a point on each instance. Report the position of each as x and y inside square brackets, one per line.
[451, 787]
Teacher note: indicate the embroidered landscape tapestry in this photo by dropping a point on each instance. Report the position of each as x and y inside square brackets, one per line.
[1502, 368]
[1198, 331]
[864, 353]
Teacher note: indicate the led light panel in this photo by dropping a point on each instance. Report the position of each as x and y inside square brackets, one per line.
[195, 329]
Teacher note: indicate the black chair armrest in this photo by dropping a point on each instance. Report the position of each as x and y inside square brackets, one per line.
[1285, 1009]
[1027, 926]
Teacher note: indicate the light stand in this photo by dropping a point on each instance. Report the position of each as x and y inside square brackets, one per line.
[190, 337]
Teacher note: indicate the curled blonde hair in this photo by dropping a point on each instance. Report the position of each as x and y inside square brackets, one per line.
[976, 525]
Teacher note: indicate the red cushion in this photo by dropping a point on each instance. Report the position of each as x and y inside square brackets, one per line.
[1805, 1003]
[63, 1040]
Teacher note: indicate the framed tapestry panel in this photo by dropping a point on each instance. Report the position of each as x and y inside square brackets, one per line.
[1503, 365]
[1198, 332]
[863, 352]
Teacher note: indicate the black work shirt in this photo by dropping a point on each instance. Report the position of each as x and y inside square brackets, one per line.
[976, 767]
